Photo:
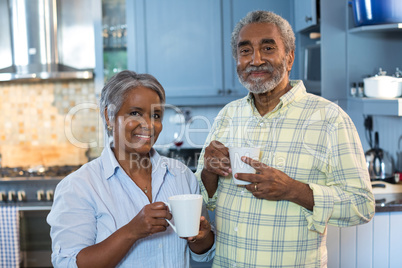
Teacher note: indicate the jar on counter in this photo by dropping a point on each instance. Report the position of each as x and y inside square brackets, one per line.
[353, 90]
[360, 90]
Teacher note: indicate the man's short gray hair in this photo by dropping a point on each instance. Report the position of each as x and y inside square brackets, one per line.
[259, 16]
[116, 89]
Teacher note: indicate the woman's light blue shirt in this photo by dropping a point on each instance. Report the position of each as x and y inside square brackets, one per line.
[99, 198]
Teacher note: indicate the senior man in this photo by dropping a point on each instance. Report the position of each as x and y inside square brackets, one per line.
[311, 172]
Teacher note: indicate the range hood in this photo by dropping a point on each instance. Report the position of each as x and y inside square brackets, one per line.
[43, 37]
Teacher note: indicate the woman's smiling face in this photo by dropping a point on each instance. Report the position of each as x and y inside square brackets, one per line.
[138, 123]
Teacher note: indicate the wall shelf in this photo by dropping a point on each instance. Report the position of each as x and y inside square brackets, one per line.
[374, 28]
[113, 49]
[374, 106]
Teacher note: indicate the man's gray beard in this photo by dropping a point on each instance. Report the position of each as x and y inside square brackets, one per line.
[256, 86]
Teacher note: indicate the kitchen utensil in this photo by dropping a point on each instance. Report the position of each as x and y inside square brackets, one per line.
[379, 163]
[371, 12]
[383, 86]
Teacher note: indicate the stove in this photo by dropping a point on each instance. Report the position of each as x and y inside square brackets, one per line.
[31, 190]
[38, 171]
[31, 186]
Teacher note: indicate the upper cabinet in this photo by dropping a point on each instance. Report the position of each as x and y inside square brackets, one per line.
[307, 14]
[110, 40]
[185, 44]
[308, 44]
[179, 42]
[114, 33]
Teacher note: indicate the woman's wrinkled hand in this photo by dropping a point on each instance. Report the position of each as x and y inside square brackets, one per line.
[150, 220]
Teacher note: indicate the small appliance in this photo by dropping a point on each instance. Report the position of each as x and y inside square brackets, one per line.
[380, 164]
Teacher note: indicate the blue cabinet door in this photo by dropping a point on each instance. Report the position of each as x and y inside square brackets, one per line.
[180, 43]
[305, 14]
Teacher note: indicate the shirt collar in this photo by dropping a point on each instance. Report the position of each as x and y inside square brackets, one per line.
[110, 163]
[160, 163]
[297, 92]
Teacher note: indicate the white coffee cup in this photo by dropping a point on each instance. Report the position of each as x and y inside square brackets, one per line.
[186, 212]
[238, 166]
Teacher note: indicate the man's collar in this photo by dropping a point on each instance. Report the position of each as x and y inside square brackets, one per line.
[297, 92]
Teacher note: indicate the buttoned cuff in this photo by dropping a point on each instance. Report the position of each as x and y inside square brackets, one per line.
[322, 210]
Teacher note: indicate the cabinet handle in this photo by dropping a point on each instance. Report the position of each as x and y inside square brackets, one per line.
[308, 19]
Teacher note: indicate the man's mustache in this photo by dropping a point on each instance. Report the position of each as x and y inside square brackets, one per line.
[265, 68]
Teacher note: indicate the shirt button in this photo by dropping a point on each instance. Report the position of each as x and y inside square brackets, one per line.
[235, 229]
[242, 192]
[160, 245]
[234, 264]
[261, 124]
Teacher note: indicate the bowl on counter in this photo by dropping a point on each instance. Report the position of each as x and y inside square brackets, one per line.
[383, 86]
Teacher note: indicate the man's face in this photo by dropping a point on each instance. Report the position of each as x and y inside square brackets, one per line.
[262, 63]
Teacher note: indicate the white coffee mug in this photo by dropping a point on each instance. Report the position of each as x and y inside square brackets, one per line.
[186, 212]
[238, 166]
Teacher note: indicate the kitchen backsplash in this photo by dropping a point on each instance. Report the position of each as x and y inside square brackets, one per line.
[58, 123]
[48, 123]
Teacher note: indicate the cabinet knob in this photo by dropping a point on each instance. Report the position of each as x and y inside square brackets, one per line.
[40, 195]
[229, 91]
[21, 196]
[11, 196]
[3, 197]
[308, 18]
[49, 195]
[220, 92]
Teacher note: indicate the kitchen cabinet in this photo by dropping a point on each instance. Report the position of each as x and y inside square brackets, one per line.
[306, 14]
[179, 42]
[333, 51]
[186, 45]
[308, 44]
[114, 33]
[375, 244]
[110, 40]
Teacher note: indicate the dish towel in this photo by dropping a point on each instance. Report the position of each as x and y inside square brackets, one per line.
[9, 237]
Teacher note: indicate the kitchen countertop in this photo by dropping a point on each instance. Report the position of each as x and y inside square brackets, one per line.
[388, 196]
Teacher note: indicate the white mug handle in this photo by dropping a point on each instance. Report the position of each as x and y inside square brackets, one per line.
[171, 224]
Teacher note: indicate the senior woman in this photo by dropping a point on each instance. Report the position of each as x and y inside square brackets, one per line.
[110, 212]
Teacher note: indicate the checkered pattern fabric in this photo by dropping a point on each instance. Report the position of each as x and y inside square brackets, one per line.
[313, 141]
[9, 237]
